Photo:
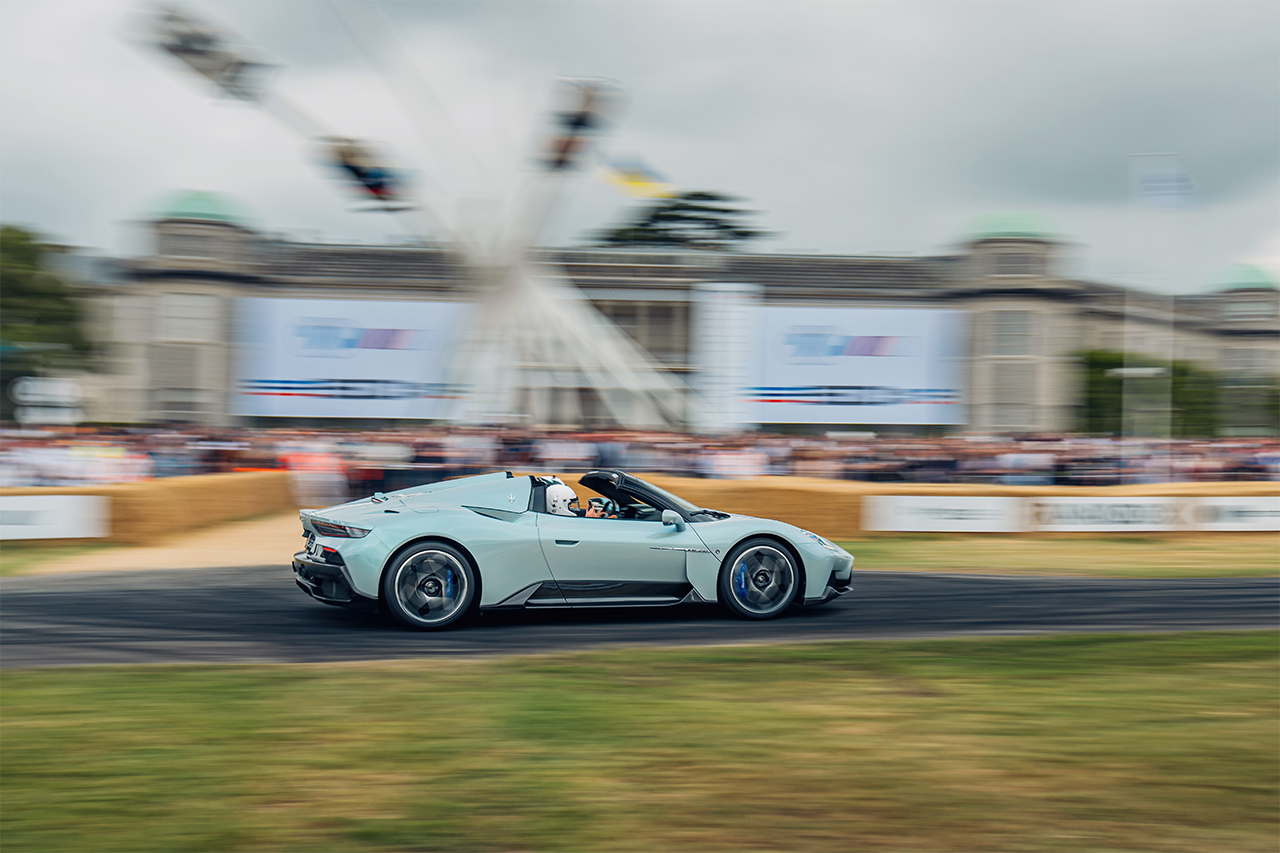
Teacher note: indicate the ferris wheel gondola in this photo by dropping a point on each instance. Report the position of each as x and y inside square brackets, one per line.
[211, 52]
[589, 106]
[367, 172]
[217, 55]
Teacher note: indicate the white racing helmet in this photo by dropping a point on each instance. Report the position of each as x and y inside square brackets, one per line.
[561, 500]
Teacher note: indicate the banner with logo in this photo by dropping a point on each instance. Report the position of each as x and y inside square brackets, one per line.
[1244, 513]
[857, 366]
[1109, 515]
[977, 514]
[344, 358]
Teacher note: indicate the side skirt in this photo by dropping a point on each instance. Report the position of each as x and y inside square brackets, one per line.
[599, 594]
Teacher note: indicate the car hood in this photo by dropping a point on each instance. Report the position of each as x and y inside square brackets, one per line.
[797, 535]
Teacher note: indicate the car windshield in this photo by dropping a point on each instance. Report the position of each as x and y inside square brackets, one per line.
[674, 500]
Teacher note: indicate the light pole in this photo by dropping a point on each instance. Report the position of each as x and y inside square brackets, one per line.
[1156, 180]
[1129, 420]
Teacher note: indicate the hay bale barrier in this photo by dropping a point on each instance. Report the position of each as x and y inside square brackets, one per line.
[835, 508]
[144, 513]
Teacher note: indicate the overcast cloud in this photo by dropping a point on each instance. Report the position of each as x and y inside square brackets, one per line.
[854, 128]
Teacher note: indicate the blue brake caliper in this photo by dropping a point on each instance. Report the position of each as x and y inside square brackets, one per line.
[448, 583]
[740, 580]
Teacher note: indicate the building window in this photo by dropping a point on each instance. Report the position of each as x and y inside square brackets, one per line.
[660, 328]
[191, 317]
[1010, 416]
[178, 404]
[1017, 264]
[1249, 310]
[1014, 393]
[664, 331]
[623, 315]
[1252, 361]
[1012, 333]
[188, 246]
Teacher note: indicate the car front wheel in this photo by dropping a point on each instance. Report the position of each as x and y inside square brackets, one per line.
[429, 586]
[759, 580]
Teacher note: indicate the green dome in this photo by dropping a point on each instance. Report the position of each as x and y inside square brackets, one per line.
[204, 206]
[1011, 225]
[1244, 277]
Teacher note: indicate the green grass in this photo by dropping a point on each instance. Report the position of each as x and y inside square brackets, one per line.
[17, 558]
[1223, 555]
[1164, 743]
[1220, 555]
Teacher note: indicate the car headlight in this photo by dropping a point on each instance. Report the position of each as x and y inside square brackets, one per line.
[823, 542]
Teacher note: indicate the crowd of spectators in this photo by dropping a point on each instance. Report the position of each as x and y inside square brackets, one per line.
[337, 464]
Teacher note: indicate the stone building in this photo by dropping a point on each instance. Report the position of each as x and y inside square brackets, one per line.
[169, 321]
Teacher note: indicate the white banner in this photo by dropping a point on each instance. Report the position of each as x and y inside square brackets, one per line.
[942, 514]
[724, 315]
[1243, 513]
[53, 517]
[345, 358]
[857, 366]
[1108, 515]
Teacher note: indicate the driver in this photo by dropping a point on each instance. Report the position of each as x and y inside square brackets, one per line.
[562, 500]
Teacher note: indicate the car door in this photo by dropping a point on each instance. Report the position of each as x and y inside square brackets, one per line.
[616, 561]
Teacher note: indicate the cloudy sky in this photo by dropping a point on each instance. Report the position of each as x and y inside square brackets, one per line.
[852, 127]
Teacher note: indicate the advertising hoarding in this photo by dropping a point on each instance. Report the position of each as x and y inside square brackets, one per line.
[1109, 514]
[980, 514]
[331, 358]
[857, 366]
[1237, 513]
[942, 513]
[53, 517]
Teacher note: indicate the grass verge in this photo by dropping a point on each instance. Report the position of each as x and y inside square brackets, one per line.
[18, 558]
[253, 539]
[1075, 743]
[1221, 555]
[1224, 555]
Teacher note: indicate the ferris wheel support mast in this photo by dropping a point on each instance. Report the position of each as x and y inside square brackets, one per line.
[534, 336]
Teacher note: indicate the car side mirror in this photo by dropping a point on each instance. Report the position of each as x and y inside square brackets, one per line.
[670, 516]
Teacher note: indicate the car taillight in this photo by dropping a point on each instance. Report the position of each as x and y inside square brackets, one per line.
[341, 531]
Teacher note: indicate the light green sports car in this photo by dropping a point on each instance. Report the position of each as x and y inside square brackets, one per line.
[432, 554]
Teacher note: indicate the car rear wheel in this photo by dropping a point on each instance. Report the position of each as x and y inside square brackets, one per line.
[429, 586]
[759, 579]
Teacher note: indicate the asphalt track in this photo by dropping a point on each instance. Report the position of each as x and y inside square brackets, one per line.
[237, 615]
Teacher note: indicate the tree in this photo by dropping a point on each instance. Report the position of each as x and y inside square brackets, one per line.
[689, 220]
[1194, 395]
[41, 326]
[1250, 404]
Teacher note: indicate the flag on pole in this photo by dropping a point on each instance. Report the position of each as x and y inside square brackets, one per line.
[635, 179]
[1159, 180]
